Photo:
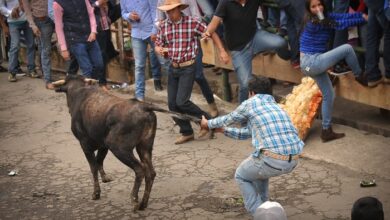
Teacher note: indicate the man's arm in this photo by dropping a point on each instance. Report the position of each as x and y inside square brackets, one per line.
[153, 8]
[223, 55]
[92, 21]
[59, 25]
[213, 25]
[30, 19]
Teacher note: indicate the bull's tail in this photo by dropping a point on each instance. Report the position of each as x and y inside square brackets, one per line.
[151, 107]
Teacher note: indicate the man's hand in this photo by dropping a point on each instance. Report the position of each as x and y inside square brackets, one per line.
[36, 31]
[224, 57]
[153, 38]
[206, 35]
[203, 123]
[15, 13]
[92, 37]
[134, 16]
[65, 54]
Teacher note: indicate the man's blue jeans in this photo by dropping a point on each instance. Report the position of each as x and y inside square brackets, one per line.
[180, 83]
[252, 177]
[89, 58]
[15, 32]
[315, 66]
[377, 27]
[140, 49]
[46, 28]
[242, 60]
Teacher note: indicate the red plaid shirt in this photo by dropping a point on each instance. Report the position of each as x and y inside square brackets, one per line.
[180, 38]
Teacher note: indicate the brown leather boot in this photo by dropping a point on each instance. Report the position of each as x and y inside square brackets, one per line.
[329, 135]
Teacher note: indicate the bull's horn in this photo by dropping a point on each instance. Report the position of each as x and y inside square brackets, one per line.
[90, 81]
[59, 82]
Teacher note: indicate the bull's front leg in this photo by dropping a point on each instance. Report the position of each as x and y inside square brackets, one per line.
[94, 170]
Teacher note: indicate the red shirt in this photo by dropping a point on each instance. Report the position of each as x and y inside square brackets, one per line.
[181, 38]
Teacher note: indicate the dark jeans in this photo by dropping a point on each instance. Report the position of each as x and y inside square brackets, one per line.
[341, 36]
[375, 31]
[90, 59]
[180, 83]
[294, 21]
[201, 80]
[102, 38]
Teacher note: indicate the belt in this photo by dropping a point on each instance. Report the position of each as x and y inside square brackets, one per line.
[41, 18]
[183, 64]
[279, 156]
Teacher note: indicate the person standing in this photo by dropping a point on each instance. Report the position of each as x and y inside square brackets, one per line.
[244, 37]
[75, 25]
[193, 11]
[43, 27]
[274, 138]
[16, 18]
[178, 39]
[141, 16]
[316, 60]
[378, 26]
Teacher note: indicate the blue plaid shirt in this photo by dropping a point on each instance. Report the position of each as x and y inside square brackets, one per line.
[267, 124]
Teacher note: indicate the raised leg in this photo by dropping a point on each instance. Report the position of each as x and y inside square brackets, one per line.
[126, 156]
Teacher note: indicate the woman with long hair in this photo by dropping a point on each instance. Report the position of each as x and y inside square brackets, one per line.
[316, 59]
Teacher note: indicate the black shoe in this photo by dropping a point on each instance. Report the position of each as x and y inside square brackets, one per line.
[340, 69]
[362, 80]
[330, 135]
[157, 85]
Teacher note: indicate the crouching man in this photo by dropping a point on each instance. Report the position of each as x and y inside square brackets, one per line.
[275, 139]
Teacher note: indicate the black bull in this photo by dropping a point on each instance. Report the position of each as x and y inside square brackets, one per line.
[102, 122]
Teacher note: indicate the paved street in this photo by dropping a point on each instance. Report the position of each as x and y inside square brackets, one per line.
[194, 180]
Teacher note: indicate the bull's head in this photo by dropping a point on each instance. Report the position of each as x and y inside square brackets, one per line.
[72, 81]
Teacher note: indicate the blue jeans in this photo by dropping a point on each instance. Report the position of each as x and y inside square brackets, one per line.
[15, 32]
[341, 36]
[242, 60]
[46, 28]
[180, 83]
[252, 177]
[140, 48]
[377, 27]
[315, 66]
[277, 17]
[89, 58]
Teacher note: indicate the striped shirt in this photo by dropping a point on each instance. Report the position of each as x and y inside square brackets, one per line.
[267, 124]
[181, 38]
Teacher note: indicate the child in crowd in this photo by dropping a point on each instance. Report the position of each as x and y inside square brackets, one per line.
[316, 60]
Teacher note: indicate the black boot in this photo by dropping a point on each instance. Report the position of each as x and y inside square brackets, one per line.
[329, 135]
[157, 85]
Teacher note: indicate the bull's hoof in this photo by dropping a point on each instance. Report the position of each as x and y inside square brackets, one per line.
[142, 206]
[106, 179]
[95, 196]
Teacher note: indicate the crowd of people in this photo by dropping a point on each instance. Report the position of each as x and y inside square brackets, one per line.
[169, 33]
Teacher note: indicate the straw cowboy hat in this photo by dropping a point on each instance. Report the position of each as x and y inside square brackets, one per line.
[171, 4]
